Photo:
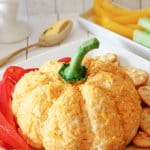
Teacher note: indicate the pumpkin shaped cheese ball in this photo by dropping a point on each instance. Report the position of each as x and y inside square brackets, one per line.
[85, 105]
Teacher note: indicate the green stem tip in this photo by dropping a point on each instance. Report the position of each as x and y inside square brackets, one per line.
[74, 71]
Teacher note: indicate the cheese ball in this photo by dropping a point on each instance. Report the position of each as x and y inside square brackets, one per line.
[101, 112]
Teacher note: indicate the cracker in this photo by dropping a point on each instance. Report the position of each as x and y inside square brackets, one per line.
[142, 140]
[108, 57]
[116, 63]
[144, 92]
[145, 120]
[138, 76]
[133, 147]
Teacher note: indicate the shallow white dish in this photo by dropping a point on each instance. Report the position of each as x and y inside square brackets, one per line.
[126, 58]
[112, 37]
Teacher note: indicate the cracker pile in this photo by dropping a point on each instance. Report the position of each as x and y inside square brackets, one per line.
[140, 79]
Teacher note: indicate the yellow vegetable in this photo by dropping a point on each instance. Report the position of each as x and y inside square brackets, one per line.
[135, 26]
[98, 9]
[114, 9]
[122, 14]
[133, 17]
[101, 12]
[110, 8]
[117, 19]
[114, 26]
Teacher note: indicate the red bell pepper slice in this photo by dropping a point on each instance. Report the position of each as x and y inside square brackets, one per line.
[9, 135]
[30, 69]
[2, 148]
[18, 149]
[65, 59]
[6, 88]
[11, 76]
[5, 146]
[14, 72]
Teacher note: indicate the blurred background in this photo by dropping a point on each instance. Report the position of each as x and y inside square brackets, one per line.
[40, 7]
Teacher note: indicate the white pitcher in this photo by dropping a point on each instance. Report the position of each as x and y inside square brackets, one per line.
[11, 29]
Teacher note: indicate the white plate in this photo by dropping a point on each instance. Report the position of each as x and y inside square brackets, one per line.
[126, 58]
[112, 37]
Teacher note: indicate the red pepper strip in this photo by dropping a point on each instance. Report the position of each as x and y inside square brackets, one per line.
[18, 149]
[5, 146]
[9, 135]
[14, 72]
[6, 88]
[30, 69]
[11, 76]
[65, 59]
[2, 148]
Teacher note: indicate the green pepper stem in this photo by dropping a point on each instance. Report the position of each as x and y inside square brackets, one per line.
[74, 69]
[75, 64]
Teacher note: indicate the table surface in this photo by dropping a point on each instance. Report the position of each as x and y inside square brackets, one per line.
[38, 23]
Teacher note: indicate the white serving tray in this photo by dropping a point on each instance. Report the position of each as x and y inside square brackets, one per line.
[126, 58]
[112, 37]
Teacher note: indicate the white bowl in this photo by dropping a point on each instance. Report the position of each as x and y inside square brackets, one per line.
[112, 37]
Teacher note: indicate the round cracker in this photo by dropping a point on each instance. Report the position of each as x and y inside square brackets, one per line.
[133, 147]
[116, 63]
[144, 92]
[142, 140]
[138, 76]
[145, 120]
[108, 57]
